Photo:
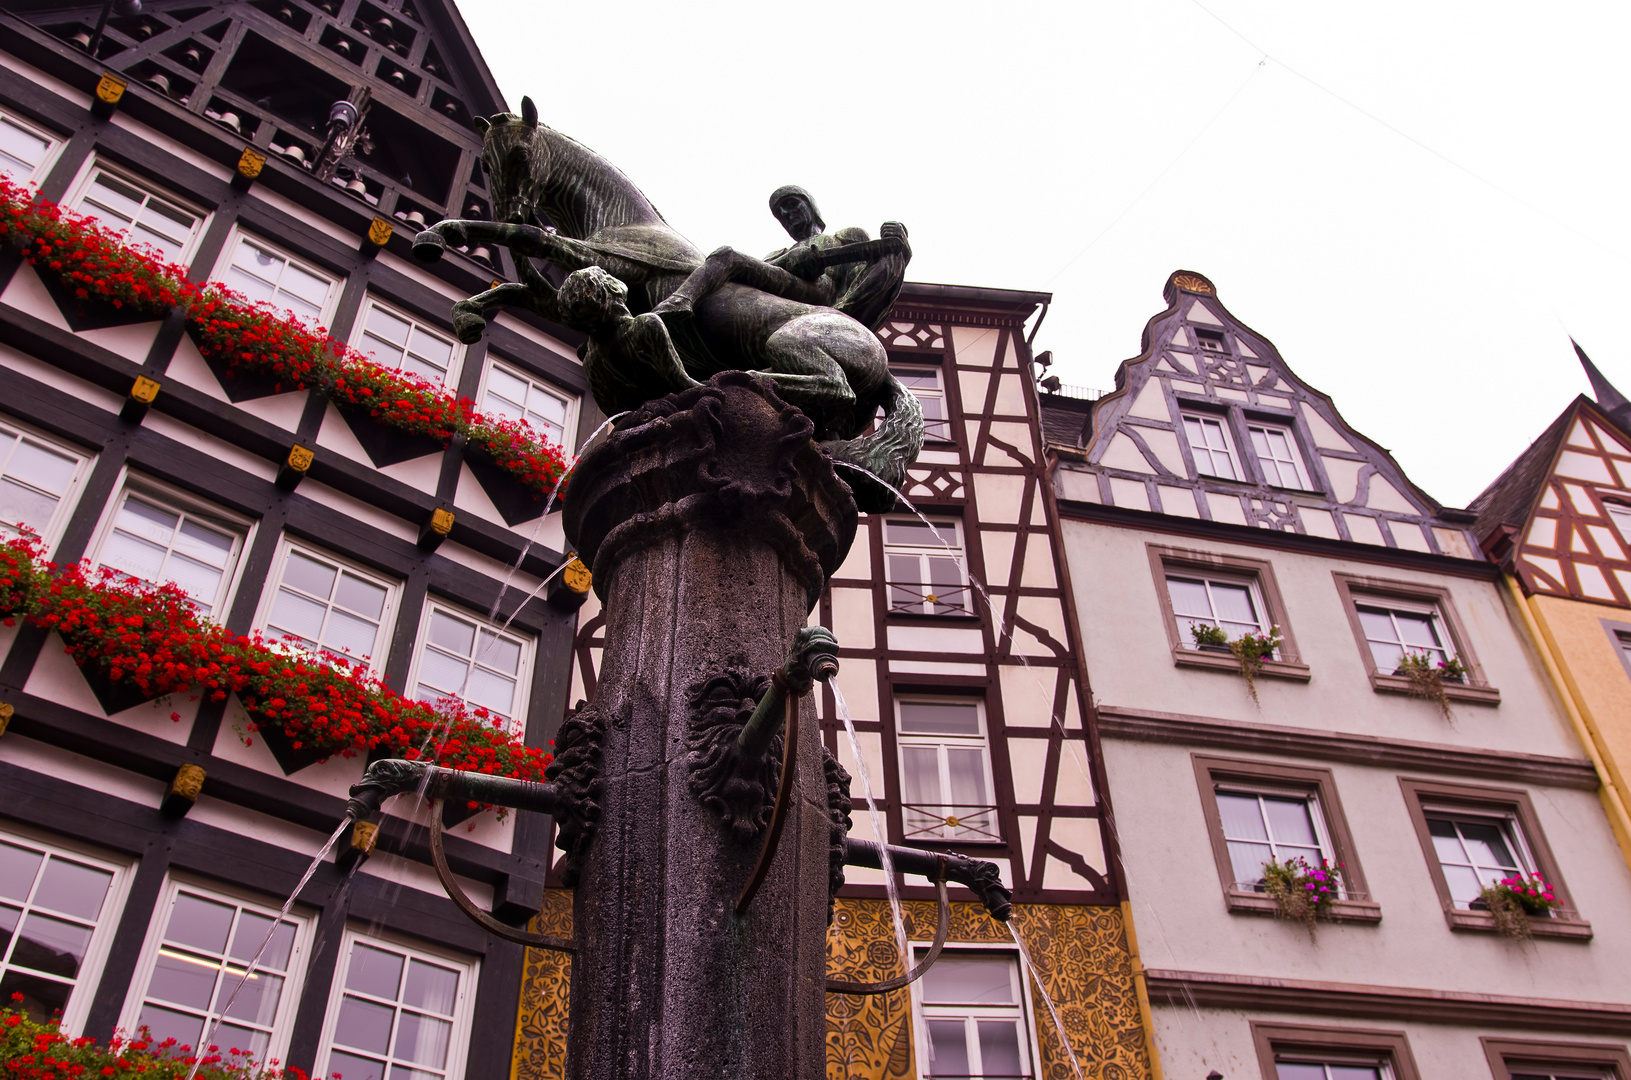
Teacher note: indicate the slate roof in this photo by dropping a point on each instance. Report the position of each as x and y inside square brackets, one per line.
[1509, 499]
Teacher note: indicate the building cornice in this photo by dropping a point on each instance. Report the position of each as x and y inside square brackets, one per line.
[1266, 538]
[1190, 989]
[1138, 725]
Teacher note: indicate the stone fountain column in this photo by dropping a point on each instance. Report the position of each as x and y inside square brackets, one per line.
[711, 523]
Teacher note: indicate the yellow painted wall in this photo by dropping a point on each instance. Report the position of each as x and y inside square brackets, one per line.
[1597, 684]
[1080, 953]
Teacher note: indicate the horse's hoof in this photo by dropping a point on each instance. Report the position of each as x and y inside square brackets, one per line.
[429, 246]
[469, 328]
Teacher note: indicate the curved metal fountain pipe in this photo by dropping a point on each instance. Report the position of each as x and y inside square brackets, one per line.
[784, 793]
[979, 877]
[845, 986]
[468, 906]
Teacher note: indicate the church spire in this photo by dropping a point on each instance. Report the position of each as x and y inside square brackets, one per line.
[1613, 402]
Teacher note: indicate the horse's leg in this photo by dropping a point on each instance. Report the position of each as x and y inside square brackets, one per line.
[469, 316]
[523, 240]
[810, 358]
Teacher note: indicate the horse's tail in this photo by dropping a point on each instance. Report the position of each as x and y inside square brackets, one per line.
[885, 453]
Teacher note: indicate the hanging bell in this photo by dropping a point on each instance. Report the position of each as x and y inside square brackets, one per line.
[294, 153]
[385, 30]
[431, 68]
[343, 47]
[285, 14]
[142, 32]
[230, 119]
[160, 82]
[481, 254]
[416, 219]
[82, 39]
[451, 108]
[357, 187]
[398, 78]
[473, 210]
[192, 58]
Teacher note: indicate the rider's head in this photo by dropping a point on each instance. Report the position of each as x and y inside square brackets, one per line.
[591, 298]
[797, 212]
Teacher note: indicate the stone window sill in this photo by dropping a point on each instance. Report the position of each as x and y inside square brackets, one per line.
[1242, 902]
[1567, 928]
[1470, 695]
[1272, 669]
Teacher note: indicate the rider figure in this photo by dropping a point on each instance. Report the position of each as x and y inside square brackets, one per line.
[863, 290]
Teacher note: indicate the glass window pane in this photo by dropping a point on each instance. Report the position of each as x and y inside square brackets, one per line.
[999, 1048]
[374, 971]
[18, 866]
[1291, 821]
[1234, 603]
[257, 1001]
[1418, 630]
[69, 887]
[970, 980]
[442, 672]
[183, 979]
[1464, 883]
[198, 581]
[940, 717]
[348, 634]
[251, 286]
[1486, 843]
[252, 931]
[492, 692]
[198, 922]
[431, 987]
[308, 575]
[423, 1039]
[501, 654]
[1242, 818]
[116, 196]
[966, 768]
[42, 467]
[1355, 1072]
[363, 597]
[1247, 859]
[455, 635]
[365, 1025]
[1288, 1070]
[1378, 627]
[165, 1024]
[351, 1067]
[21, 505]
[387, 327]
[43, 998]
[295, 615]
[1189, 598]
[920, 775]
[130, 555]
[51, 945]
[231, 1037]
[948, 1047]
[198, 541]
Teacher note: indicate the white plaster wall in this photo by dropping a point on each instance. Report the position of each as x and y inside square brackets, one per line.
[1129, 657]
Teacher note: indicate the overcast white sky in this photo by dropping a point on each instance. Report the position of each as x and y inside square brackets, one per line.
[1089, 149]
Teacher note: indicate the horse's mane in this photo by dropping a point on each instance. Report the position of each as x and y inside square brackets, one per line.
[587, 193]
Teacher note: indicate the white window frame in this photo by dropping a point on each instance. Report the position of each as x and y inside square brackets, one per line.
[295, 977]
[937, 393]
[95, 167]
[458, 1050]
[455, 361]
[1205, 334]
[53, 149]
[1394, 605]
[517, 722]
[1382, 1064]
[178, 501]
[1264, 462]
[986, 828]
[924, 552]
[921, 1013]
[1510, 826]
[1309, 799]
[274, 581]
[107, 922]
[569, 426]
[1230, 452]
[52, 532]
[239, 236]
[1208, 580]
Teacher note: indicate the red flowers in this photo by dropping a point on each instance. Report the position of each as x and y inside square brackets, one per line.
[150, 637]
[31, 1050]
[258, 340]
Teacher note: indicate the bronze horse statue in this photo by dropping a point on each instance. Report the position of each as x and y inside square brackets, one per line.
[828, 364]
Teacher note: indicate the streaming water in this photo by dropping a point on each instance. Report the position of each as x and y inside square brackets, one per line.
[249, 969]
[891, 884]
[1036, 979]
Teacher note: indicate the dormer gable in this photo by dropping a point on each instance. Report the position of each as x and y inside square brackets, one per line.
[1209, 422]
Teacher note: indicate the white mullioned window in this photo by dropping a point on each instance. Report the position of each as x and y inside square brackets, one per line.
[159, 537]
[515, 395]
[1332, 1067]
[194, 960]
[925, 566]
[1476, 850]
[971, 1017]
[1396, 627]
[1211, 446]
[263, 272]
[945, 771]
[58, 912]
[26, 151]
[1276, 450]
[925, 385]
[1233, 605]
[38, 478]
[465, 657]
[150, 218]
[396, 340]
[1210, 340]
[398, 1012]
[328, 606]
[1260, 826]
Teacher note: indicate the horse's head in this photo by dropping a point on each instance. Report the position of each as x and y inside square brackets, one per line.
[515, 155]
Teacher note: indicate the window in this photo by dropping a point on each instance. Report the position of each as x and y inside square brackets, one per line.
[1513, 1059]
[263, 273]
[1299, 1052]
[58, 911]
[1473, 837]
[1209, 443]
[398, 1013]
[36, 479]
[196, 954]
[464, 657]
[924, 383]
[394, 340]
[328, 606]
[149, 219]
[924, 562]
[516, 396]
[1261, 810]
[25, 151]
[1620, 515]
[158, 539]
[1276, 450]
[971, 1017]
[945, 772]
[1392, 618]
[1233, 606]
[1211, 340]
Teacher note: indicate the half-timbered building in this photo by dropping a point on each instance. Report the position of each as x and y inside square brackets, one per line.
[289, 149]
[1296, 654]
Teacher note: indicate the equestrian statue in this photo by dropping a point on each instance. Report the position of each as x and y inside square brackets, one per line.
[661, 318]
